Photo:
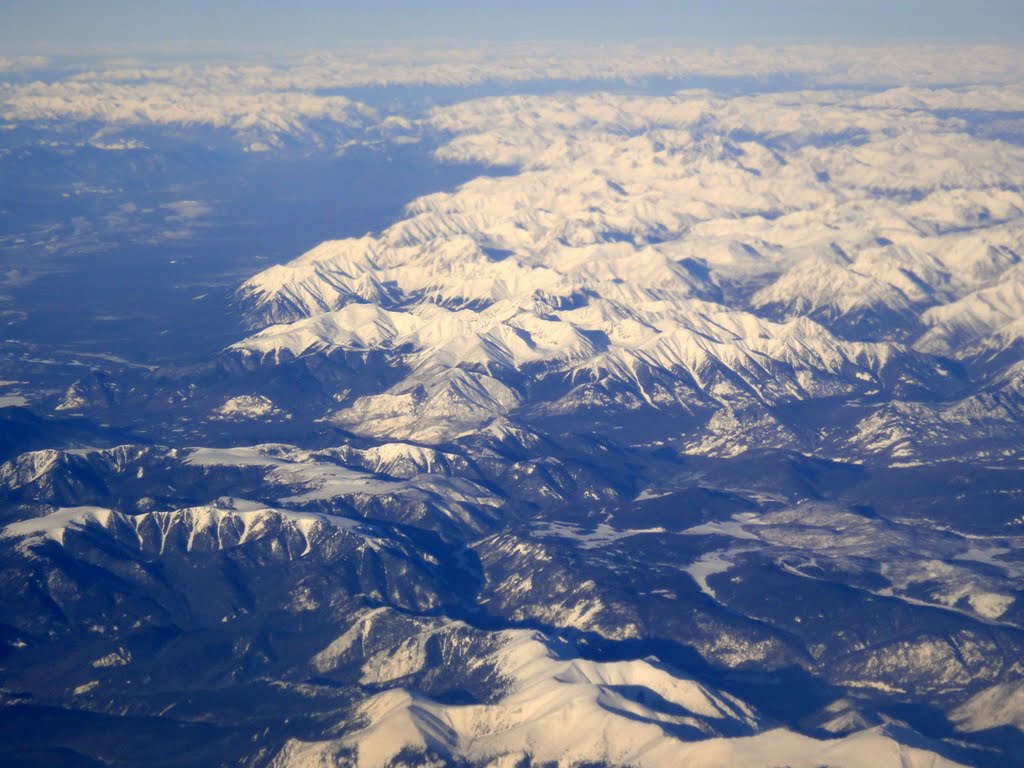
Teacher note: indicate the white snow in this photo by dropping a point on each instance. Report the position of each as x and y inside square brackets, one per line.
[52, 526]
[568, 711]
[598, 264]
[708, 565]
[602, 535]
[248, 407]
[999, 705]
[222, 526]
[815, 534]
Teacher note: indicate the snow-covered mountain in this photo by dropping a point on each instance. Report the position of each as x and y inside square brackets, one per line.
[561, 710]
[688, 256]
[687, 431]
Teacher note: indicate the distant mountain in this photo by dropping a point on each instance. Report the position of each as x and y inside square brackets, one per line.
[561, 293]
[693, 434]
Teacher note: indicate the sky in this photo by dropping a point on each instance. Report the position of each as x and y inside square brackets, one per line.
[110, 26]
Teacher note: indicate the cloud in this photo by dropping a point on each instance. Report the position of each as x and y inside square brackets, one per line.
[251, 115]
[263, 105]
[186, 210]
[17, 63]
[355, 66]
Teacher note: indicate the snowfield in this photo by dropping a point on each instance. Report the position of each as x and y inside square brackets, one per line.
[574, 711]
[646, 425]
[713, 257]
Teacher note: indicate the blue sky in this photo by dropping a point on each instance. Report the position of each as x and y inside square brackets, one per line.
[47, 26]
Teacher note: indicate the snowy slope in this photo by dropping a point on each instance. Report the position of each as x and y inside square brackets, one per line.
[694, 255]
[202, 528]
[687, 435]
[569, 711]
[352, 481]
